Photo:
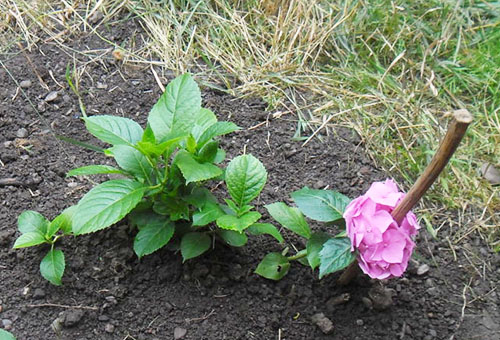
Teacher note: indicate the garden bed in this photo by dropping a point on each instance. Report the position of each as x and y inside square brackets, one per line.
[108, 293]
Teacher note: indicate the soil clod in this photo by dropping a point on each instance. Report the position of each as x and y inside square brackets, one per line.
[325, 324]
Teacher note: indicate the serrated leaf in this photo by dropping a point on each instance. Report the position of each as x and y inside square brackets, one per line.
[177, 109]
[61, 222]
[233, 238]
[321, 205]
[239, 224]
[265, 228]
[217, 129]
[290, 218]
[245, 179]
[335, 255]
[106, 204]
[209, 213]
[314, 246]
[153, 236]
[114, 130]
[29, 239]
[30, 221]
[204, 120]
[194, 244]
[194, 171]
[273, 266]
[133, 161]
[94, 170]
[52, 266]
[208, 152]
[4, 335]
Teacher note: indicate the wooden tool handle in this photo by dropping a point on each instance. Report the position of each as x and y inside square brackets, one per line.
[456, 131]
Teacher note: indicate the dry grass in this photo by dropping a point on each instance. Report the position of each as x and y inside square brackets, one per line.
[391, 70]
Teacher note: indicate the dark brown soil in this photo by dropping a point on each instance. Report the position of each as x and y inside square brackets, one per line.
[108, 293]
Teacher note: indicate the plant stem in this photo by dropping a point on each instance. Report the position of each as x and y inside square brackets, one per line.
[299, 255]
[456, 131]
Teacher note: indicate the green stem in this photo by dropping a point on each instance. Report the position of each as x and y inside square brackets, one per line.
[299, 255]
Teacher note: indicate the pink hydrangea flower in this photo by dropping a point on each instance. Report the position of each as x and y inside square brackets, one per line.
[384, 247]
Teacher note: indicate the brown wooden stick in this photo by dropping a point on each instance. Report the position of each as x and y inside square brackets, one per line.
[456, 130]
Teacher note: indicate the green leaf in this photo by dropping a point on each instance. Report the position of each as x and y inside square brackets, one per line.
[314, 246]
[245, 178]
[148, 136]
[106, 204]
[4, 335]
[220, 156]
[208, 152]
[335, 255]
[52, 266]
[239, 224]
[173, 207]
[321, 205]
[94, 170]
[29, 239]
[156, 150]
[61, 222]
[153, 236]
[177, 109]
[265, 228]
[194, 171]
[133, 161]
[209, 213]
[194, 244]
[233, 238]
[199, 197]
[273, 266]
[232, 205]
[204, 120]
[218, 129]
[114, 130]
[290, 218]
[30, 221]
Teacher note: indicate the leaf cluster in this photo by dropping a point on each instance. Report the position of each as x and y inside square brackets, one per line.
[163, 172]
[331, 253]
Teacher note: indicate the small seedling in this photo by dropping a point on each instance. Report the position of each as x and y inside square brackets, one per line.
[164, 169]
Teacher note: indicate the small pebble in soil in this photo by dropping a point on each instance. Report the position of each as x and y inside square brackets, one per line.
[22, 133]
[71, 318]
[25, 84]
[103, 318]
[324, 324]
[51, 96]
[7, 324]
[179, 332]
[367, 302]
[319, 185]
[38, 294]
[423, 269]
[360, 322]
[338, 300]
[381, 297]
[109, 328]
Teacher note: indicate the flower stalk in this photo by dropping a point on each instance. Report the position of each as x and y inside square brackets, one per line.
[456, 130]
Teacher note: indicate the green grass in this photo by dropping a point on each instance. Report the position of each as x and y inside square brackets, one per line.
[392, 70]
